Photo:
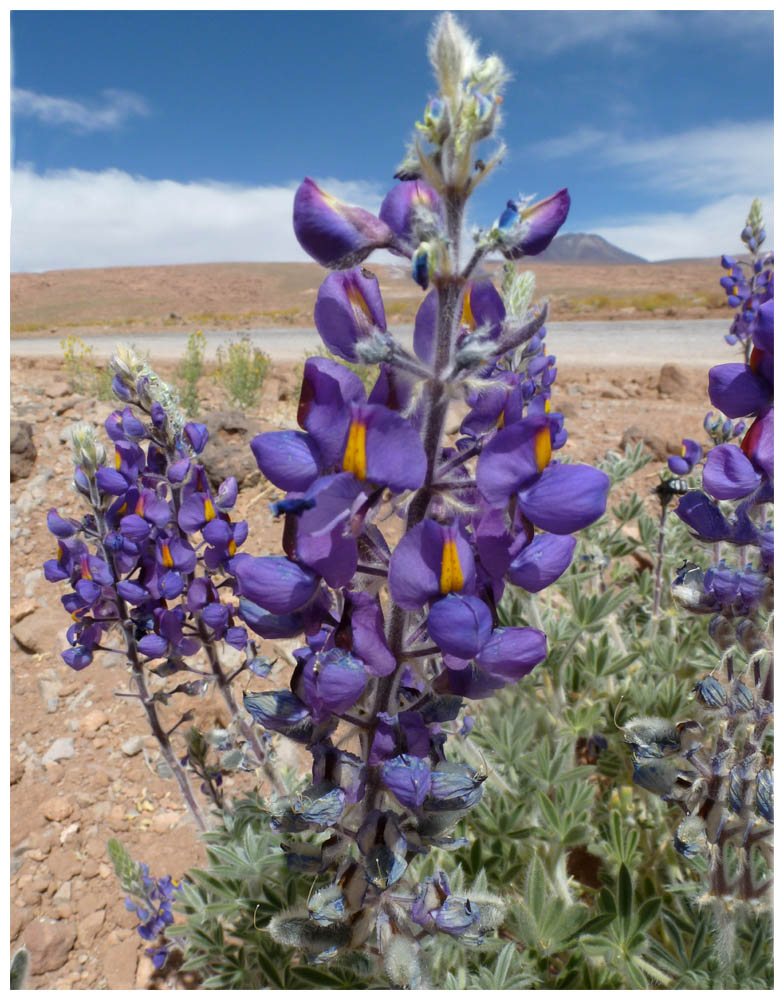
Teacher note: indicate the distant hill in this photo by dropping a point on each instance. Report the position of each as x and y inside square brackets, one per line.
[586, 248]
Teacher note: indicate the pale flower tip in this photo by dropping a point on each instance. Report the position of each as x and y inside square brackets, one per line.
[452, 53]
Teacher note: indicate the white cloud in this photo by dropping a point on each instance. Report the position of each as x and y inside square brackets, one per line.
[708, 231]
[734, 156]
[118, 105]
[77, 218]
[546, 33]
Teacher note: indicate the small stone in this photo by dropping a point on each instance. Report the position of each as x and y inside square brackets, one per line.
[145, 970]
[49, 944]
[58, 808]
[23, 450]
[69, 833]
[64, 865]
[89, 927]
[31, 580]
[56, 390]
[163, 822]
[61, 749]
[651, 441]
[105, 871]
[673, 381]
[93, 720]
[35, 633]
[132, 746]
[19, 917]
[63, 894]
[89, 869]
[21, 609]
[119, 963]
[17, 770]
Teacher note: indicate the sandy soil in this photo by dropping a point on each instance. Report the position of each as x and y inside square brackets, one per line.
[63, 813]
[133, 300]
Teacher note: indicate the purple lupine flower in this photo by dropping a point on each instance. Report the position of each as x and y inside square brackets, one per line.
[404, 205]
[335, 234]
[691, 453]
[534, 226]
[348, 309]
[431, 560]
[460, 625]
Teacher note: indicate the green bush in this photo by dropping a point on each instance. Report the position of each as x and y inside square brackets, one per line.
[241, 371]
[189, 371]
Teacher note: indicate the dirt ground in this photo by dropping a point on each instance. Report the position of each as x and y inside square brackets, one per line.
[133, 300]
[63, 812]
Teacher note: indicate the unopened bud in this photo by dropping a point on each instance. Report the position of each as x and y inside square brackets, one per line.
[88, 452]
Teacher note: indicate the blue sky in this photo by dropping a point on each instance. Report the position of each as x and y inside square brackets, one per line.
[147, 138]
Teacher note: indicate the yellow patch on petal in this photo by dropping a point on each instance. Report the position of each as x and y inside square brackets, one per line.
[543, 448]
[467, 317]
[501, 421]
[86, 574]
[357, 300]
[547, 406]
[117, 460]
[683, 451]
[139, 509]
[232, 547]
[451, 573]
[209, 510]
[355, 455]
[166, 557]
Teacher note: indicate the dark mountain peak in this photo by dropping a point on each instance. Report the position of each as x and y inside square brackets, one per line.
[586, 248]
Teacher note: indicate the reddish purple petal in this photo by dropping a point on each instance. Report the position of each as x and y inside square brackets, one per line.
[728, 473]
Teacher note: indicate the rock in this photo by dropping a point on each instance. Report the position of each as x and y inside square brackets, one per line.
[35, 633]
[22, 609]
[93, 720]
[673, 381]
[49, 944]
[89, 927]
[64, 865]
[56, 390]
[609, 391]
[145, 970]
[132, 746]
[63, 894]
[31, 579]
[119, 963]
[19, 917]
[227, 452]
[61, 749]
[58, 808]
[17, 770]
[163, 822]
[23, 450]
[651, 441]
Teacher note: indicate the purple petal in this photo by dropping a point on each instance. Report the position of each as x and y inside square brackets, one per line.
[153, 645]
[408, 778]
[510, 460]
[110, 481]
[702, 516]
[737, 391]
[758, 442]
[420, 567]
[425, 329]
[369, 640]
[289, 459]
[460, 625]
[542, 561]
[544, 219]
[273, 582]
[512, 653]
[728, 474]
[395, 456]
[348, 308]
[400, 207]
[59, 526]
[565, 498]
[328, 388]
[333, 233]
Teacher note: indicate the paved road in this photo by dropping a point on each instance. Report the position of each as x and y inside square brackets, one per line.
[695, 343]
